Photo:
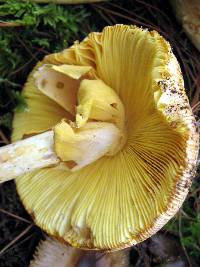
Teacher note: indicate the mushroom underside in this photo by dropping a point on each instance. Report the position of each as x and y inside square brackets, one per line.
[117, 200]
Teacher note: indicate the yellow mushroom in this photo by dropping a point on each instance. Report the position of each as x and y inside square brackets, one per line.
[122, 139]
[188, 14]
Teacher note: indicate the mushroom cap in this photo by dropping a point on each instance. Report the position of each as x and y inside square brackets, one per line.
[120, 200]
[50, 253]
[187, 13]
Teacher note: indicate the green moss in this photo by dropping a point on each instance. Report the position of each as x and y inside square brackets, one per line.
[36, 31]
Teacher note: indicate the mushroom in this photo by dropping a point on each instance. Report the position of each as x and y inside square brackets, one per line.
[188, 14]
[122, 140]
[51, 253]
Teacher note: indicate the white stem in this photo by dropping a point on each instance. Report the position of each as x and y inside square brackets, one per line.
[27, 155]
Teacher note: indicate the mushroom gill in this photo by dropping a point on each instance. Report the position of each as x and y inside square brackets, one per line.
[122, 198]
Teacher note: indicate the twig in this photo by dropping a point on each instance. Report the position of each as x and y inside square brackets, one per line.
[42, 50]
[4, 138]
[157, 10]
[195, 107]
[14, 216]
[24, 65]
[107, 20]
[9, 24]
[187, 216]
[112, 18]
[15, 240]
[195, 192]
[181, 239]
[24, 240]
[140, 18]
[121, 15]
[26, 48]
[100, 256]
[196, 247]
[197, 94]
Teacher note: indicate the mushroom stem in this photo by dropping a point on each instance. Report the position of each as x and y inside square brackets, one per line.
[27, 155]
[66, 147]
